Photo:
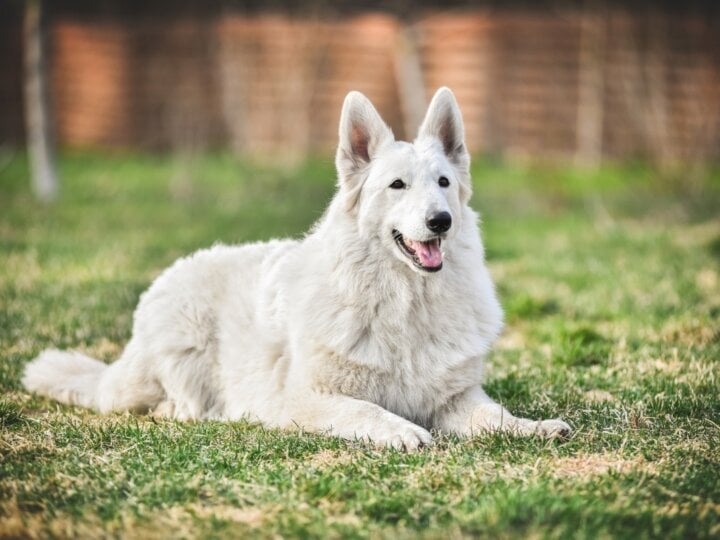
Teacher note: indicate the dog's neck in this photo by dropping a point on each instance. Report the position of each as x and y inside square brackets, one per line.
[383, 302]
[366, 274]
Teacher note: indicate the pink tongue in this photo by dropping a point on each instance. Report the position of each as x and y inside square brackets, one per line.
[428, 253]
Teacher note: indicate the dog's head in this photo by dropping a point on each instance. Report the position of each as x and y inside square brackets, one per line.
[407, 196]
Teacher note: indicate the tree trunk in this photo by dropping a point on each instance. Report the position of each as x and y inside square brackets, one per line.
[37, 106]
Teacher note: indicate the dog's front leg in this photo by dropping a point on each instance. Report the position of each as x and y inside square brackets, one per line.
[353, 419]
[474, 411]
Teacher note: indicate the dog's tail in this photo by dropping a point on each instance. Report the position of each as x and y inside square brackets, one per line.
[68, 377]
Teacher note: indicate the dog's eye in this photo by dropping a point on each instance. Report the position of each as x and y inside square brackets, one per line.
[444, 182]
[397, 184]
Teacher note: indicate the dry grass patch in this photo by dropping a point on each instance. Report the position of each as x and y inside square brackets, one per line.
[589, 465]
[174, 522]
[599, 396]
[680, 371]
[14, 523]
[708, 280]
[695, 235]
[253, 517]
[105, 349]
[512, 338]
[689, 333]
[330, 458]
[14, 443]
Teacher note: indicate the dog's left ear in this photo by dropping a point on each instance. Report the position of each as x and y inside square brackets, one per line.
[362, 133]
[444, 122]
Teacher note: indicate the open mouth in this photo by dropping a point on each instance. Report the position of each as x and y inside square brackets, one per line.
[424, 255]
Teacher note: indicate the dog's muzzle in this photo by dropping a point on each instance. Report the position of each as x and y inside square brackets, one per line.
[425, 255]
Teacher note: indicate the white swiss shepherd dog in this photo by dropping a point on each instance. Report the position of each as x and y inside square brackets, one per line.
[372, 327]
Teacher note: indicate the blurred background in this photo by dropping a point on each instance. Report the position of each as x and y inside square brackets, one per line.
[579, 81]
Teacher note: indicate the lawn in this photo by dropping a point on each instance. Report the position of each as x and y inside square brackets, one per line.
[611, 285]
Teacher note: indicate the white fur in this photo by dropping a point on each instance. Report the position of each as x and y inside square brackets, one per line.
[338, 332]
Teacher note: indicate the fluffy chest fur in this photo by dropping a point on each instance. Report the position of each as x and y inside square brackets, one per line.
[378, 331]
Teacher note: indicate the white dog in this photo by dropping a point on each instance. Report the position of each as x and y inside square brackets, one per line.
[374, 326]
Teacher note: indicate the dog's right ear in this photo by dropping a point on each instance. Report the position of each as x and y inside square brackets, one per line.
[362, 133]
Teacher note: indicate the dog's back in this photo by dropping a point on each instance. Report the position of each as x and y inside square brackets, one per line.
[172, 356]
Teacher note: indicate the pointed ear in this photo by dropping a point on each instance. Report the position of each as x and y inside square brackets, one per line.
[362, 134]
[443, 121]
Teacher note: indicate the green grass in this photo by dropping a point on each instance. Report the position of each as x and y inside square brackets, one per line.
[611, 284]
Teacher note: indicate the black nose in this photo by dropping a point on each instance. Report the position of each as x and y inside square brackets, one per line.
[440, 222]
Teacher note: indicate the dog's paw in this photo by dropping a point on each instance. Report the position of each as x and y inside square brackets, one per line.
[549, 429]
[407, 437]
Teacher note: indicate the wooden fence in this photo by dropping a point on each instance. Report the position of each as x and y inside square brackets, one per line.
[583, 85]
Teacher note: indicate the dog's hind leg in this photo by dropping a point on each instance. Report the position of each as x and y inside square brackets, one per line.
[164, 409]
[129, 384]
[189, 385]
[171, 382]
[169, 409]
